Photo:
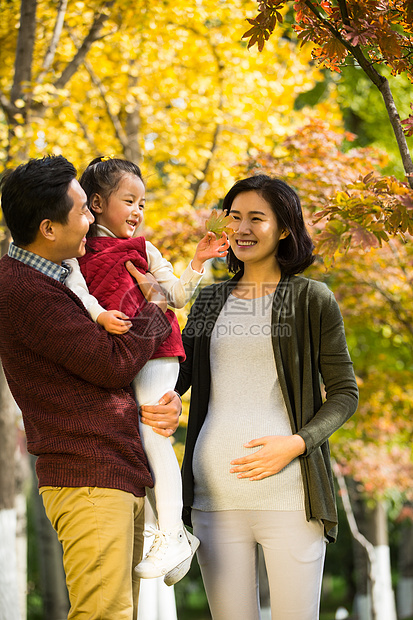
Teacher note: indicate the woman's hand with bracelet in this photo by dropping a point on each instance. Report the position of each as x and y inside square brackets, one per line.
[276, 452]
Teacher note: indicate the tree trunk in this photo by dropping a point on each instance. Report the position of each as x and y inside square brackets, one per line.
[405, 584]
[398, 130]
[382, 590]
[9, 594]
[362, 602]
[24, 50]
[21, 88]
[9, 590]
[373, 524]
[52, 576]
[22, 477]
[132, 149]
[21, 552]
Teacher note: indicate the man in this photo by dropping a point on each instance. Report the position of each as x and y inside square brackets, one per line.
[71, 380]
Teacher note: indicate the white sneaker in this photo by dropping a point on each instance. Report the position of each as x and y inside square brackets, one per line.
[168, 550]
[181, 570]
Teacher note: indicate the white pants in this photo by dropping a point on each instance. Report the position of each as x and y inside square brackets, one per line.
[152, 382]
[294, 551]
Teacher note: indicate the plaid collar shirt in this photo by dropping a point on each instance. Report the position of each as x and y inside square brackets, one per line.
[47, 267]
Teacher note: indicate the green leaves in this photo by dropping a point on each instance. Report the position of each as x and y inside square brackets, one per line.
[369, 212]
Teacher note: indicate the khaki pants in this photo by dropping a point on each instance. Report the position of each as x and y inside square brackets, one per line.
[101, 531]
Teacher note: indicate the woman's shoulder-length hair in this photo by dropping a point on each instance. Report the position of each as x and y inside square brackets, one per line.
[295, 252]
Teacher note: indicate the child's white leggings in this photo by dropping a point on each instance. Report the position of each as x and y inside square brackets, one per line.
[151, 383]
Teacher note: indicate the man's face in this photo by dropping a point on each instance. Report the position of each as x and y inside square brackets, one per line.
[71, 237]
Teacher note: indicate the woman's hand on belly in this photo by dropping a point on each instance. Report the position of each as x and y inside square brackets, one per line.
[275, 454]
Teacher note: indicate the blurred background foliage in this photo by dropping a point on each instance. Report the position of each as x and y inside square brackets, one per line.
[174, 87]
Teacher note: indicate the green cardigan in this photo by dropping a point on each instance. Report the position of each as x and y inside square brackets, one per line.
[308, 341]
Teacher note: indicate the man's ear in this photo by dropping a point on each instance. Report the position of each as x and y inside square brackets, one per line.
[96, 203]
[47, 230]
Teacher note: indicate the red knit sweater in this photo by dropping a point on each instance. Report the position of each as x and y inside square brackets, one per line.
[71, 380]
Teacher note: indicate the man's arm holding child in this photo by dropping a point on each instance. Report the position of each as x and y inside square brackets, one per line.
[164, 417]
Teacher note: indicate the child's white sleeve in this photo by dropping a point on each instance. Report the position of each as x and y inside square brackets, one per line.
[76, 282]
[178, 291]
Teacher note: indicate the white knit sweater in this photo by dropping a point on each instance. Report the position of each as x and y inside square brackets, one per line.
[245, 403]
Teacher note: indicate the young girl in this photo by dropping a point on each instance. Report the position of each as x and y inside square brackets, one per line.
[116, 196]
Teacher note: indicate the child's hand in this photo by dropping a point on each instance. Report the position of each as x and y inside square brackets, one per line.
[114, 321]
[210, 247]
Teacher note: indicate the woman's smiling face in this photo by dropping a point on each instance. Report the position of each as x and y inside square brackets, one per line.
[255, 231]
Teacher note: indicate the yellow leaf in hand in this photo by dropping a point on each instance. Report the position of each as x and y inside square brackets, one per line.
[217, 223]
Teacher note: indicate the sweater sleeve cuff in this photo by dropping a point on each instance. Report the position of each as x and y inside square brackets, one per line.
[307, 440]
[95, 310]
[191, 276]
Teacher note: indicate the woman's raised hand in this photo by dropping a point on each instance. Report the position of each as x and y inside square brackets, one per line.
[210, 246]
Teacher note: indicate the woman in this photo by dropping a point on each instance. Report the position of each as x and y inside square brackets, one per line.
[257, 467]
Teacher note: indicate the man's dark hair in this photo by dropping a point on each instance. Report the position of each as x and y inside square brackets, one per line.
[295, 252]
[34, 192]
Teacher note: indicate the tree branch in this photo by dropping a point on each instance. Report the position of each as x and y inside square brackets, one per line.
[400, 264]
[119, 131]
[326, 23]
[49, 56]
[365, 63]
[8, 108]
[133, 120]
[85, 131]
[344, 13]
[92, 36]
[357, 535]
[195, 187]
[378, 80]
[394, 117]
